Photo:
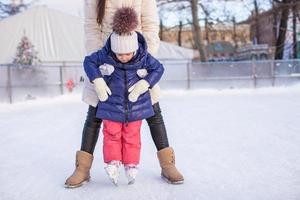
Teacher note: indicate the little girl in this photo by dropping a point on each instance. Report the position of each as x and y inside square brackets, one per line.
[122, 83]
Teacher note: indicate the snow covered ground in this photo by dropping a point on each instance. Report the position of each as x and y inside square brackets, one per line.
[230, 145]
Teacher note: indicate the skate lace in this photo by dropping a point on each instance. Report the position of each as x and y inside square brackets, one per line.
[113, 167]
[115, 163]
[172, 161]
[128, 167]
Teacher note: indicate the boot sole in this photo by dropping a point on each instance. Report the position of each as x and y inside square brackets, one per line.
[78, 185]
[172, 182]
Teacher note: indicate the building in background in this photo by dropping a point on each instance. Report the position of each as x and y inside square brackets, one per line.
[220, 51]
[254, 52]
[264, 31]
[221, 40]
[214, 33]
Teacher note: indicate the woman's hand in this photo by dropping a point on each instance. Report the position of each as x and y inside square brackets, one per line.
[102, 89]
[137, 89]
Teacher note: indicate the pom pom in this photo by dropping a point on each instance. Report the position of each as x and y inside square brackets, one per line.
[125, 20]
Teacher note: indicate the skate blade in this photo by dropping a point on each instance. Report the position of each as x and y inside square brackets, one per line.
[172, 182]
[114, 182]
[131, 182]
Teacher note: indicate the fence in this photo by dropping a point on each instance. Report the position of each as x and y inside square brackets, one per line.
[19, 83]
[220, 75]
[51, 79]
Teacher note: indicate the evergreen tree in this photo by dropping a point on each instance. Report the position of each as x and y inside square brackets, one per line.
[26, 55]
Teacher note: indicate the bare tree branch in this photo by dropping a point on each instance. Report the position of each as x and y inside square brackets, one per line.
[8, 9]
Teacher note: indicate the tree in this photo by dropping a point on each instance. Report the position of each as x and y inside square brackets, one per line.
[13, 7]
[281, 11]
[201, 12]
[257, 33]
[179, 34]
[26, 55]
[294, 10]
[193, 5]
[197, 30]
[234, 32]
[285, 10]
[161, 29]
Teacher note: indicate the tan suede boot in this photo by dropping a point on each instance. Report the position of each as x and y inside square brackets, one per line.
[81, 174]
[169, 172]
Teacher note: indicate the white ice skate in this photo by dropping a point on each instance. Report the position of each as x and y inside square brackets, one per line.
[131, 171]
[113, 170]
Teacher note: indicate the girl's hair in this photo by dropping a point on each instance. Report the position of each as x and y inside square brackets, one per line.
[100, 11]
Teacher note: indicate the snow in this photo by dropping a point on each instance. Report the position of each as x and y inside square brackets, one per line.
[240, 144]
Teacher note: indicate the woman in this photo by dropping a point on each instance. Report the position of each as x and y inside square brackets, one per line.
[98, 27]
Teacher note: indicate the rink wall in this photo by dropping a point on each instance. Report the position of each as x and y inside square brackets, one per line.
[19, 83]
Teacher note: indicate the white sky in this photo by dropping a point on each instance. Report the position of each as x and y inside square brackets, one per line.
[241, 9]
[74, 7]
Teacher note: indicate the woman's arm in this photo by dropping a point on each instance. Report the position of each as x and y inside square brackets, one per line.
[155, 71]
[91, 29]
[91, 67]
[150, 25]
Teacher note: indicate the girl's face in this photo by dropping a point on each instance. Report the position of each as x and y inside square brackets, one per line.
[124, 58]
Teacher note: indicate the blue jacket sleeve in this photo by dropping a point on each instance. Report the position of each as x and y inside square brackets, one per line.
[91, 65]
[155, 70]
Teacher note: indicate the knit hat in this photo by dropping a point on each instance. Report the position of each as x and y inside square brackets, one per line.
[124, 38]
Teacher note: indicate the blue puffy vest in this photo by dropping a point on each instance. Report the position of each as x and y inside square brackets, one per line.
[118, 107]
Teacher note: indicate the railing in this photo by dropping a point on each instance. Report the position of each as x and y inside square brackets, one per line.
[50, 79]
[221, 75]
[18, 83]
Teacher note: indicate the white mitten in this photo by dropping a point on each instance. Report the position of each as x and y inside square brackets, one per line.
[137, 89]
[102, 89]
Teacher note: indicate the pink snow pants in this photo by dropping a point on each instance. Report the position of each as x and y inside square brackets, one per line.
[122, 141]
